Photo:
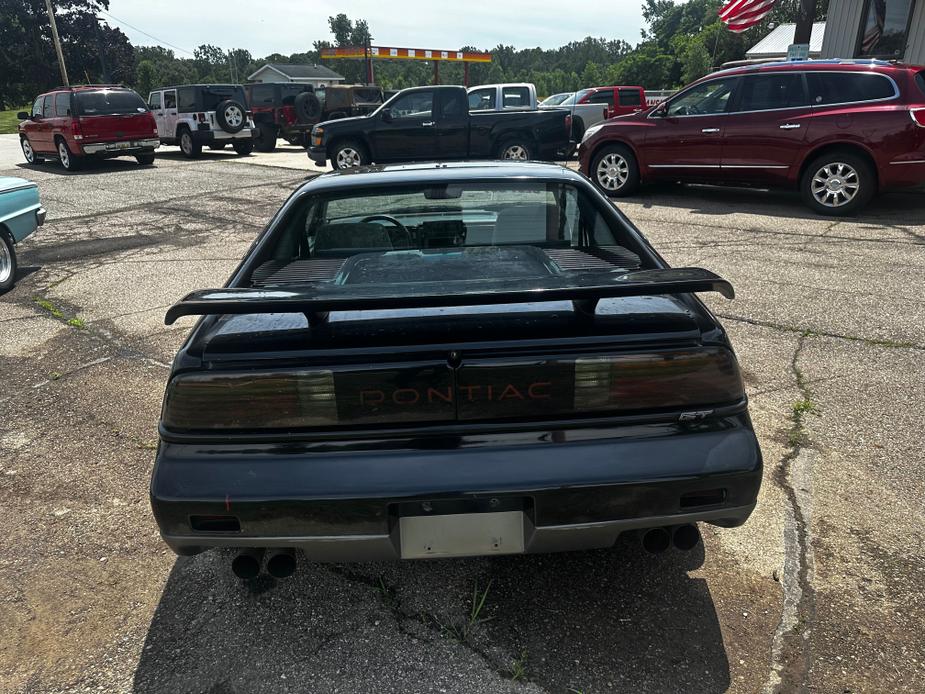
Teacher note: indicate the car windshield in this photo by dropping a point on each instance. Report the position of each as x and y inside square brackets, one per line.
[105, 102]
[444, 232]
[556, 99]
[576, 97]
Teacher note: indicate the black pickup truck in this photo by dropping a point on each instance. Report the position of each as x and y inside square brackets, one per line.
[434, 124]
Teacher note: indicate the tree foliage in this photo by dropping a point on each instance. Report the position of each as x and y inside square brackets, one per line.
[681, 42]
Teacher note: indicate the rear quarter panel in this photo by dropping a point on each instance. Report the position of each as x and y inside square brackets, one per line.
[18, 207]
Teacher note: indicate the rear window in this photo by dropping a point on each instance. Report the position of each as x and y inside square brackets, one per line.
[848, 87]
[207, 98]
[387, 230]
[108, 102]
[261, 95]
[630, 97]
[605, 97]
[516, 97]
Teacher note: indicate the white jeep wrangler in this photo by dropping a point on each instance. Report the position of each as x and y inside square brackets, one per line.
[194, 115]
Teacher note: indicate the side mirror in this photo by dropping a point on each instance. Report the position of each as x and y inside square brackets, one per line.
[23, 115]
[387, 115]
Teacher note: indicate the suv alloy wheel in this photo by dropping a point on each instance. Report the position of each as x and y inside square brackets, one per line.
[68, 160]
[190, 148]
[615, 172]
[231, 116]
[28, 152]
[838, 183]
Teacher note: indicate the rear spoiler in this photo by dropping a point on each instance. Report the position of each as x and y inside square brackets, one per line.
[314, 300]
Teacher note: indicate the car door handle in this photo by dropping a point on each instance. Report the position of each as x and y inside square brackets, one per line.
[710, 130]
[789, 126]
[428, 124]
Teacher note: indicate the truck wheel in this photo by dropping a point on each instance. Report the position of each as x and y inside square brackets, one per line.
[28, 152]
[67, 159]
[145, 159]
[515, 149]
[349, 155]
[266, 137]
[838, 183]
[7, 263]
[244, 147]
[190, 148]
[614, 171]
[307, 107]
[230, 116]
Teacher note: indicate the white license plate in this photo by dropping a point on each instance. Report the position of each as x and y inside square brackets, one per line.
[121, 145]
[462, 534]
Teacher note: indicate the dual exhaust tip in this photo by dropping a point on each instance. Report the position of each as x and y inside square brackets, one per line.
[683, 537]
[280, 563]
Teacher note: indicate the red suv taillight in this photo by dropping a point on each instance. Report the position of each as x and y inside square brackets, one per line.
[76, 132]
[201, 117]
[918, 116]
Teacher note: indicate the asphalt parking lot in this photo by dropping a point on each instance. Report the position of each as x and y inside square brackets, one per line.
[820, 591]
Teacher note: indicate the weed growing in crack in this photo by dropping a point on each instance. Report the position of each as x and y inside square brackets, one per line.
[519, 667]
[462, 631]
[77, 323]
[387, 595]
[48, 306]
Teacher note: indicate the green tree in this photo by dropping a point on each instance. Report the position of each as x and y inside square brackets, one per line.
[695, 61]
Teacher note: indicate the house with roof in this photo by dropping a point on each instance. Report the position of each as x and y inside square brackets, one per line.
[774, 45]
[315, 75]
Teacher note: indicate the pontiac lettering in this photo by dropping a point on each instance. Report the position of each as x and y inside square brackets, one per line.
[410, 397]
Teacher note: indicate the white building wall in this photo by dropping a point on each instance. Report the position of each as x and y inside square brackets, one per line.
[842, 25]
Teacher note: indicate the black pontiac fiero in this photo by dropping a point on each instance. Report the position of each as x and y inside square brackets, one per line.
[441, 360]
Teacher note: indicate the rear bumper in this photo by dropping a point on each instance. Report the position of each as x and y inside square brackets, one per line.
[124, 147]
[210, 136]
[343, 502]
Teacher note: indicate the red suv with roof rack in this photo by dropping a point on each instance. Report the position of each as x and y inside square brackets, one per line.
[839, 131]
[72, 124]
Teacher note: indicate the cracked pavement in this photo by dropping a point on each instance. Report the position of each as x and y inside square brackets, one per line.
[819, 591]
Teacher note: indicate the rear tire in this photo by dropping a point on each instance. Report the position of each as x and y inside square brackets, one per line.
[614, 171]
[266, 137]
[190, 148]
[145, 159]
[7, 263]
[516, 149]
[243, 148]
[349, 155]
[837, 184]
[67, 159]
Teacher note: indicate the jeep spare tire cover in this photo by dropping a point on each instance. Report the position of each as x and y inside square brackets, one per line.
[307, 107]
[230, 115]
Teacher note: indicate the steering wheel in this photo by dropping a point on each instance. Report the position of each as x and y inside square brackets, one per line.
[391, 220]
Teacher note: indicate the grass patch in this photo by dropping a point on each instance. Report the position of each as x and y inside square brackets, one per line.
[462, 631]
[519, 668]
[9, 122]
[74, 321]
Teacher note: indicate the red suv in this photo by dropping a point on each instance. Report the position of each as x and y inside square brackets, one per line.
[840, 131]
[73, 123]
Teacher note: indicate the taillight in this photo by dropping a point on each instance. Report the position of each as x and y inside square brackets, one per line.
[201, 117]
[657, 380]
[75, 129]
[918, 116]
[251, 401]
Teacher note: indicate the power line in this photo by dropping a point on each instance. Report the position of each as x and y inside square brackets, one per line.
[141, 31]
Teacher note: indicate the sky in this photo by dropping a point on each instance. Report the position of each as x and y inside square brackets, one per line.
[290, 26]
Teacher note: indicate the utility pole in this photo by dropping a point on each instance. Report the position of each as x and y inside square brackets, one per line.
[104, 75]
[54, 37]
[805, 16]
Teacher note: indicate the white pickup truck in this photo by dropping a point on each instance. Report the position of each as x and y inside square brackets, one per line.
[519, 96]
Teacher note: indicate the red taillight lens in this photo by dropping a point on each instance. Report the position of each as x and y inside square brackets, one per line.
[918, 116]
[201, 117]
[75, 127]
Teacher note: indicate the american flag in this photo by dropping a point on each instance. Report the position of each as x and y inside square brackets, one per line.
[739, 15]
